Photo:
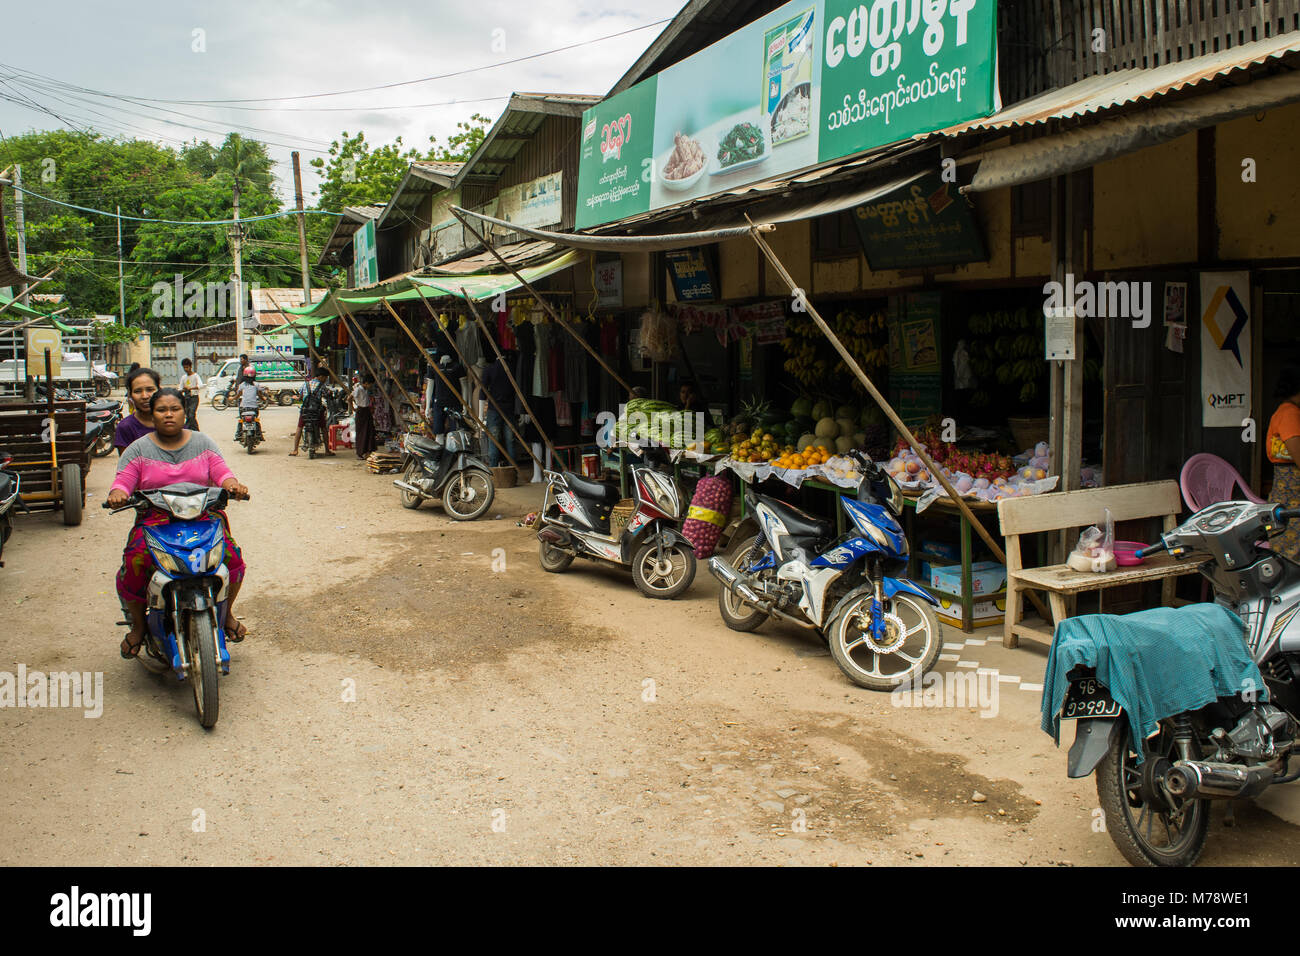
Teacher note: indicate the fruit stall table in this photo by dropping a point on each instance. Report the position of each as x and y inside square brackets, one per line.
[701, 463]
[946, 506]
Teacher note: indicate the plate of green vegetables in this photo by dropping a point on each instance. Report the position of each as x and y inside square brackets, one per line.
[745, 144]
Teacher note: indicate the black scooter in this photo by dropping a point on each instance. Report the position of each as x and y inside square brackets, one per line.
[430, 471]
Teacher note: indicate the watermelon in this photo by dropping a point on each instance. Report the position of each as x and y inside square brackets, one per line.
[826, 428]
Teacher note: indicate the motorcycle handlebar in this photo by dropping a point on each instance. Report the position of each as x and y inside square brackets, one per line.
[135, 501]
[1286, 514]
[1149, 549]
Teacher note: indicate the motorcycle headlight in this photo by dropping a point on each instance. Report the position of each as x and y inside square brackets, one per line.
[216, 554]
[186, 507]
[165, 560]
[455, 441]
[663, 493]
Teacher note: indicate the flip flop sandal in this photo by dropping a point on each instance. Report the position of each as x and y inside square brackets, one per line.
[237, 635]
[129, 650]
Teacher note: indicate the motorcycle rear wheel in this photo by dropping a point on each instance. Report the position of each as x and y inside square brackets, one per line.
[103, 444]
[468, 495]
[201, 649]
[1145, 836]
[285, 398]
[659, 583]
[218, 401]
[553, 559]
[736, 614]
[846, 639]
[410, 499]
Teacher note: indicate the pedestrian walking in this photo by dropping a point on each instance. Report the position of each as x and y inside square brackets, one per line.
[190, 385]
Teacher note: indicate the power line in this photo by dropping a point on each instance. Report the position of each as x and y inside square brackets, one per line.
[365, 89]
[179, 222]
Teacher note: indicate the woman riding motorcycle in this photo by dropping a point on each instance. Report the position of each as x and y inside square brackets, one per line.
[141, 383]
[171, 455]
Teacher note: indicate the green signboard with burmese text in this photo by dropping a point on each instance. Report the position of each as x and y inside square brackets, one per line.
[812, 81]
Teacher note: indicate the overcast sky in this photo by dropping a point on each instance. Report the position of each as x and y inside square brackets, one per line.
[269, 49]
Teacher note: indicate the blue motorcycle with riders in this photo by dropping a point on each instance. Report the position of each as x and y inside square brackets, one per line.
[186, 600]
[880, 627]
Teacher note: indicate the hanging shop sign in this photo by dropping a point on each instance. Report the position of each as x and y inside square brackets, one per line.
[825, 79]
[609, 283]
[915, 372]
[766, 319]
[695, 318]
[365, 255]
[691, 275]
[1225, 349]
[925, 223]
[533, 204]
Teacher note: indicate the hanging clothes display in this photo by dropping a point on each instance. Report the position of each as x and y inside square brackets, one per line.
[527, 344]
[468, 341]
[383, 412]
[541, 361]
[575, 368]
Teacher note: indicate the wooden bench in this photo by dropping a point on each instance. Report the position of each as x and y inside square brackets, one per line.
[1081, 509]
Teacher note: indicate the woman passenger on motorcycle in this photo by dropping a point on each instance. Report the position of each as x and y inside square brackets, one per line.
[1283, 450]
[141, 383]
[171, 455]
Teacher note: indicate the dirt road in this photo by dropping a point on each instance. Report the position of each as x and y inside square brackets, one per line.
[415, 691]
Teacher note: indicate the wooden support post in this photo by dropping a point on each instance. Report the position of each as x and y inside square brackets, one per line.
[472, 374]
[44, 278]
[315, 356]
[509, 374]
[906, 432]
[355, 327]
[546, 305]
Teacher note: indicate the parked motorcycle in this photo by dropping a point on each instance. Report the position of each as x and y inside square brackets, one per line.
[1158, 811]
[104, 412]
[881, 629]
[448, 471]
[334, 401]
[186, 606]
[249, 430]
[10, 483]
[575, 523]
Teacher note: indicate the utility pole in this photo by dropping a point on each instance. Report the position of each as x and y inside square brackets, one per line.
[302, 232]
[22, 231]
[236, 239]
[121, 287]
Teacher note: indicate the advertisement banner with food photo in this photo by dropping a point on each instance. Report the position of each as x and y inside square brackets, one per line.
[807, 83]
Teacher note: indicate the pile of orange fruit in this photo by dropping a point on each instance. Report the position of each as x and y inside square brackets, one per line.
[811, 455]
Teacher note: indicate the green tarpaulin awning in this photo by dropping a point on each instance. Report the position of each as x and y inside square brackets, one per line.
[480, 286]
[17, 311]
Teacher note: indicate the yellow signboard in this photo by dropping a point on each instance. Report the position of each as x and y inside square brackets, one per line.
[38, 341]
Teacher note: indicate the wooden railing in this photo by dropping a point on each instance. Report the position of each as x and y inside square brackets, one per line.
[1044, 44]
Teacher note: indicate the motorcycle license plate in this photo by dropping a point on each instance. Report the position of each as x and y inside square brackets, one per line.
[1088, 698]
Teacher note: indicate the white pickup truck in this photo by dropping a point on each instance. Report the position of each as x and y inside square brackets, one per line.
[282, 377]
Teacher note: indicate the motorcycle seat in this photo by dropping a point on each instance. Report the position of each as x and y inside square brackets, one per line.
[424, 446]
[799, 522]
[591, 490]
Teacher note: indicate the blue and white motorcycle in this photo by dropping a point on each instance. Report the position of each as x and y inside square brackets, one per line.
[881, 628]
[186, 602]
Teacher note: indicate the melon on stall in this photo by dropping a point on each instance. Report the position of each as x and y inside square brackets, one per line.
[823, 409]
[826, 428]
[860, 440]
[805, 441]
[843, 444]
[802, 407]
[846, 426]
[847, 411]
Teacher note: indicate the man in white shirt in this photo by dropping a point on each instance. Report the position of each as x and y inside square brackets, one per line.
[190, 385]
[364, 425]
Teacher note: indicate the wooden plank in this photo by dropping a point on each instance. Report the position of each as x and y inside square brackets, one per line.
[1063, 579]
[1076, 509]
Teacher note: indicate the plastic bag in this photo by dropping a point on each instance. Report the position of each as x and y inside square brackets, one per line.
[1096, 548]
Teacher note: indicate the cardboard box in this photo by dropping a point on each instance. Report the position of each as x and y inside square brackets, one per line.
[983, 613]
[986, 577]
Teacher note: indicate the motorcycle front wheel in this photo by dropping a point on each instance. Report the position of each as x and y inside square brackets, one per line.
[1147, 825]
[201, 649]
[468, 494]
[218, 401]
[911, 639]
[103, 444]
[736, 614]
[409, 498]
[667, 579]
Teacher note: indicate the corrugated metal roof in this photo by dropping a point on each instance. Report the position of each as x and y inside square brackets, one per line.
[1108, 91]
